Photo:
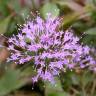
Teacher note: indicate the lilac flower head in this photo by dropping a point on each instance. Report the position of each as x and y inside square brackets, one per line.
[51, 50]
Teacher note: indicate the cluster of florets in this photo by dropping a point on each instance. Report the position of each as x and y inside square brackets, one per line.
[51, 49]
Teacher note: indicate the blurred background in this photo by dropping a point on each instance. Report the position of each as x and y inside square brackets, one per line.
[15, 80]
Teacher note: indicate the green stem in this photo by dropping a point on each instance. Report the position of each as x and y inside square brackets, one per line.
[83, 90]
[93, 87]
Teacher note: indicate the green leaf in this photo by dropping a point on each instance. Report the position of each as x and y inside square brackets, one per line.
[4, 7]
[14, 79]
[91, 31]
[50, 8]
[9, 81]
[69, 20]
[4, 25]
[25, 12]
[90, 37]
[85, 78]
[15, 5]
[71, 4]
[55, 90]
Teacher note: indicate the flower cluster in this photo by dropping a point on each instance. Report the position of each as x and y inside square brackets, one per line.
[51, 49]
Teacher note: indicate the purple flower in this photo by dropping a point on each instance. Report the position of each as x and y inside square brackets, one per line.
[52, 50]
